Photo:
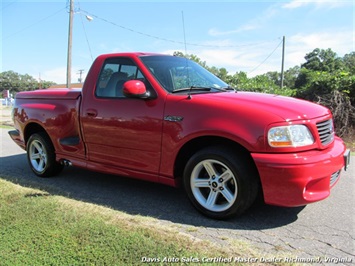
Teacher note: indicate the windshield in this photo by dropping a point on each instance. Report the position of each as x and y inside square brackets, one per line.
[180, 74]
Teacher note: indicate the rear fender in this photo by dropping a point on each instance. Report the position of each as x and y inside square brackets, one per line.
[59, 120]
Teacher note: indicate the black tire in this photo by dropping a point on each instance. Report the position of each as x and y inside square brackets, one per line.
[41, 155]
[220, 183]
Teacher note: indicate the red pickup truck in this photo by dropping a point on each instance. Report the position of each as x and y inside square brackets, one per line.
[168, 120]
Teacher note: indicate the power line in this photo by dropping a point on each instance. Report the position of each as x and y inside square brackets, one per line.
[79, 10]
[184, 43]
[86, 36]
[9, 4]
[266, 58]
[33, 24]
[165, 39]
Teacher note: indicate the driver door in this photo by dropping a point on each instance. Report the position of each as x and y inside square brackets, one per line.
[122, 132]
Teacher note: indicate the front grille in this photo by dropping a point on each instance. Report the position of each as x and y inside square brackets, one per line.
[326, 131]
[334, 177]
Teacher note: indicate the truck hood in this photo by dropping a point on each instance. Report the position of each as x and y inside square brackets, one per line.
[287, 108]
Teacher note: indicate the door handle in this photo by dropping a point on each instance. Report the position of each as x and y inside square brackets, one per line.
[91, 113]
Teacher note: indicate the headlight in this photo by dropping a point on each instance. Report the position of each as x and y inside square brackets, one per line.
[290, 136]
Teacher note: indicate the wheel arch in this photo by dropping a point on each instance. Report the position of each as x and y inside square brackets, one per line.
[196, 144]
[41, 155]
[31, 129]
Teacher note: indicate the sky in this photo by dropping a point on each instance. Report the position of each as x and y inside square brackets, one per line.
[237, 35]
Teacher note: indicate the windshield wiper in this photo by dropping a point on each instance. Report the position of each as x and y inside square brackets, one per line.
[228, 88]
[201, 88]
[193, 88]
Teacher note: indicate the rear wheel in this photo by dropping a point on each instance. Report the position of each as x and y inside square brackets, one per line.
[41, 155]
[219, 183]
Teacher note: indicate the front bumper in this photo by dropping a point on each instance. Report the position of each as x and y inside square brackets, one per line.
[300, 178]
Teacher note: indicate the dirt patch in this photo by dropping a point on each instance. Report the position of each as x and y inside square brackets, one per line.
[5, 116]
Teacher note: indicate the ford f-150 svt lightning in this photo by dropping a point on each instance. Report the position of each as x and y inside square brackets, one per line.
[166, 119]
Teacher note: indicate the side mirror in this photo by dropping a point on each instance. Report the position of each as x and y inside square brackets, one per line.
[135, 89]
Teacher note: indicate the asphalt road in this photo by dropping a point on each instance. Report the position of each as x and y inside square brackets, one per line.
[323, 230]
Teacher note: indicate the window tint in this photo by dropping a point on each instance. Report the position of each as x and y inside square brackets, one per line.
[115, 72]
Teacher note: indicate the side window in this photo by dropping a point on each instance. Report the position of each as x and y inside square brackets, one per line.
[115, 72]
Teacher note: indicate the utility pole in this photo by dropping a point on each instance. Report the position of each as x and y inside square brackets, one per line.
[39, 81]
[80, 72]
[282, 62]
[70, 37]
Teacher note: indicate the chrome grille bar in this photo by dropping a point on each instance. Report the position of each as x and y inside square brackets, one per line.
[334, 177]
[326, 131]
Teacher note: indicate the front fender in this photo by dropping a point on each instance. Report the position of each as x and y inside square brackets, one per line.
[200, 118]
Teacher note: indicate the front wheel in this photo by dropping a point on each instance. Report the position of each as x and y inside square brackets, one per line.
[41, 155]
[219, 183]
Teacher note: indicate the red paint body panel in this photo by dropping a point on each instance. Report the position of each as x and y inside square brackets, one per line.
[300, 178]
[63, 93]
[59, 117]
[142, 138]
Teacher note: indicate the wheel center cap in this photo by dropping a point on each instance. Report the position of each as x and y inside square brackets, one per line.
[214, 184]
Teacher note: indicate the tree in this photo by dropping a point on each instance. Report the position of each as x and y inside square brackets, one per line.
[275, 77]
[330, 81]
[239, 80]
[9, 80]
[180, 54]
[290, 76]
[319, 60]
[222, 73]
[322, 60]
[15, 82]
[349, 62]
[334, 90]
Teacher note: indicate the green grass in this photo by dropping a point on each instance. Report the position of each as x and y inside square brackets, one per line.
[37, 228]
[6, 126]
